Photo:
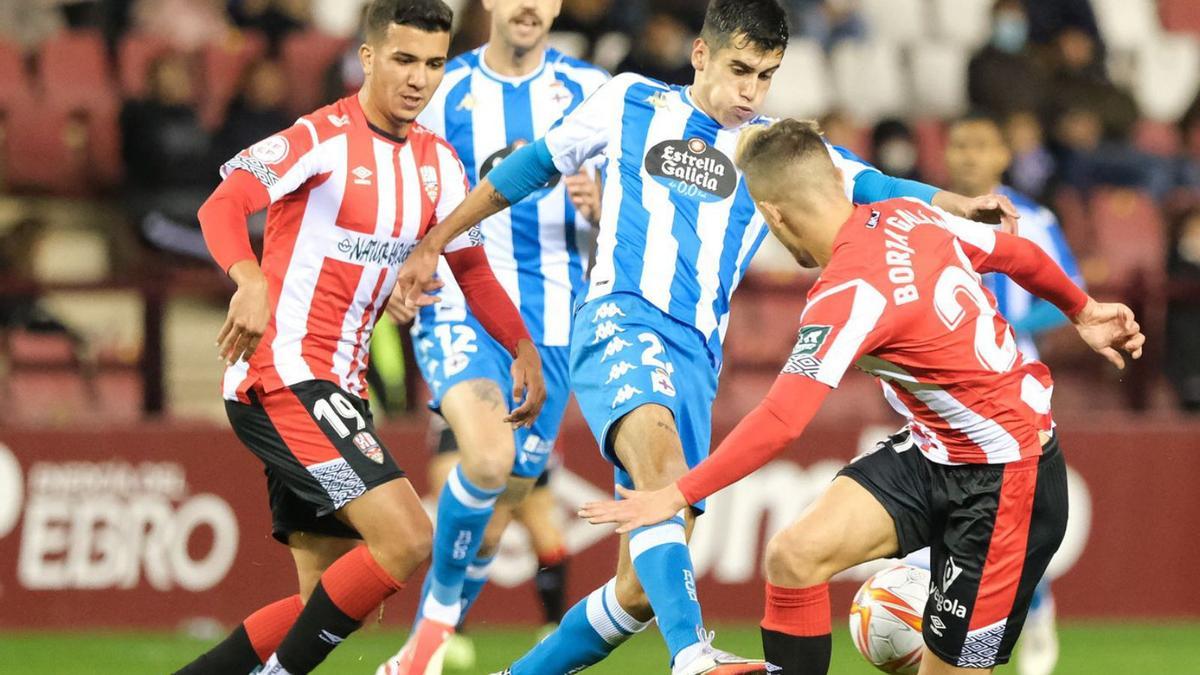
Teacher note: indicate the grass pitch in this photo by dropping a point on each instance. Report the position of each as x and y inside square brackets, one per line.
[1087, 649]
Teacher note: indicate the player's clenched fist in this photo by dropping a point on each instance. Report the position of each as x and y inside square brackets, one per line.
[249, 313]
[527, 383]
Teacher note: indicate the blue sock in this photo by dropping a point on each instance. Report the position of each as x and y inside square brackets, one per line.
[1041, 596]
[477, 577]
[589, 632]
[463, 513]
[664, 567]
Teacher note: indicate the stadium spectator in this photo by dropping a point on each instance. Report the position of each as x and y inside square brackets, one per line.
[273, 18]
[168, 157]
[1078, 78]
[591, 20]
[257, 112]
[27, 23]
[1187, 172]
[186, 25]
[894, 149]
[1006, 58]
[827, 21]
[1183, 311]
[1049, 18]
[1033, 166]
[662, 51]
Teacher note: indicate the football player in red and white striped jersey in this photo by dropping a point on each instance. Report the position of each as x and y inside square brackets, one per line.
[977, 474]
[350, 189]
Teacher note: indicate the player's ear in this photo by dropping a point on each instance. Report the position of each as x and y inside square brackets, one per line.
[366, 57]
[700, 54]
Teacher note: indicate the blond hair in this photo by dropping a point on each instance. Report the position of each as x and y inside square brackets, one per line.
[789, 155]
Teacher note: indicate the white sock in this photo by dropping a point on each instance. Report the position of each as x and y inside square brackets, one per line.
[272, 667]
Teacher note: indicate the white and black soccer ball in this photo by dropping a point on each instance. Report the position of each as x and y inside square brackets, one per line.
[885, 618]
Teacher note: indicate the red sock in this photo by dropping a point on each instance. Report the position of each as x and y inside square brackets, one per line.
[798, 611]
[553, 557]
[357, 584]
[267, 626]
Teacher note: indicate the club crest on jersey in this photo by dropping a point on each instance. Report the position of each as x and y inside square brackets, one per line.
[692, 169]
[429, 179]
[367, 445]
[560, 94]
[270, 150]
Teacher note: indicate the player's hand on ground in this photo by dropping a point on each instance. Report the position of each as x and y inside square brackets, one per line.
[401, 312]
[249, 314]
[1110, 328]
[990, 208]
[415, 277]
[584, 191]
[636, 508]
[528, 386]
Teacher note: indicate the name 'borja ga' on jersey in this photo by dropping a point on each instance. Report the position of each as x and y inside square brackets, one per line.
[348, 203]
[678, 226]
[539, 248]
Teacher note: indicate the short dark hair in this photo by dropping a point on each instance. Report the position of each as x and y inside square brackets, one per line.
[432, 16]
[762, 23]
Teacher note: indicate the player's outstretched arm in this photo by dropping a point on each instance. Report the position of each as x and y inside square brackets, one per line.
[1110, 328]
[760, 437]
[223, 222]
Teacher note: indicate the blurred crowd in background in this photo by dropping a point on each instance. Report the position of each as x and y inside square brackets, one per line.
[114, 115]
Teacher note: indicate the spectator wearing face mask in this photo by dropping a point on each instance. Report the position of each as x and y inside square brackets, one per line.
[894, 149]
[1183, 311]
[1007, 58]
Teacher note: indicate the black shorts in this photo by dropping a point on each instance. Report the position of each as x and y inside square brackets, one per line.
[320, 449]
[441, 441]
[991, 529]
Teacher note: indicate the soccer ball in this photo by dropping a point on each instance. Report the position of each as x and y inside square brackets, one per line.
[885, 618]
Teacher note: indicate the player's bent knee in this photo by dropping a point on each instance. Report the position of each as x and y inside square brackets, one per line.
[798, 559]
[489, 470]
[631, 596]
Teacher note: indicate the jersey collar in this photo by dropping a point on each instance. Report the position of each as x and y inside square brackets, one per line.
[505, 79]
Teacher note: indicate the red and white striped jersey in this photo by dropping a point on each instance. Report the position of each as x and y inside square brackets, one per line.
[901, 300]
[349, 202]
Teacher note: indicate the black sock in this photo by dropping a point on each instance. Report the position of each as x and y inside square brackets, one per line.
[551, 582]
[233, 656]
[320, 628]
[797, 655]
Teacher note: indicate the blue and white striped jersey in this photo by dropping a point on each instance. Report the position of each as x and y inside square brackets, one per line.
[539, 249]
[1016, 304]
[677, 226]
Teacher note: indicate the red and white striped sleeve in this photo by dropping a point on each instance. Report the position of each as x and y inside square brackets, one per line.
[839, 324]
[284, 161]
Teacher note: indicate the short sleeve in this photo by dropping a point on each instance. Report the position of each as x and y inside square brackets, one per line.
[584, 132]
[838, 326]
[850, 164]
[282, 162]
[453, 191]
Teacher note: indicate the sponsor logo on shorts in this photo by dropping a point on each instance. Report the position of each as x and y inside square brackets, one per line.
[660, 381]
[367, 445]
[608, 310]
[625, 393]
[330, 638]
[951, 573]
[937, 625]
[945, 605]
[619, 370]
[614, 346]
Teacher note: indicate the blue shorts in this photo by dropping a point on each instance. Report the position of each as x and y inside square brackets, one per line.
[450, 352]
[626, 353]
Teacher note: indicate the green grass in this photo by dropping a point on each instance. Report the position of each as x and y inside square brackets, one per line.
[1087, 648]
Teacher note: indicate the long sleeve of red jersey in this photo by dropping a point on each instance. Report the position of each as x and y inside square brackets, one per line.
[760, 437]
[1027, 264]
[486, 297]
[223, 218]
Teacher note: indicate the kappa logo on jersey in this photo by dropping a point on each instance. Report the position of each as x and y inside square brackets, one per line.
[367, 444]
[625, 393]
[951, 573]
[606, 330]
[803, 359]
[614, 347]
[362, 175]
[339, 121]
[660, 381]
[270, 150]
[658, 100]
[467, 103]
[429, 179]
[608, 310]
[618, 371]
[692, 169]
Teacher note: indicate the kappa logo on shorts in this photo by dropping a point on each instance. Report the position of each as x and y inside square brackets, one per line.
[625, 393]
[606, 330]
[367, 445]
[614, 347]
[608, 310]
[619, 370]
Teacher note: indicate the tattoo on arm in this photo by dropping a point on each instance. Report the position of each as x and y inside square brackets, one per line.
[497, 200]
